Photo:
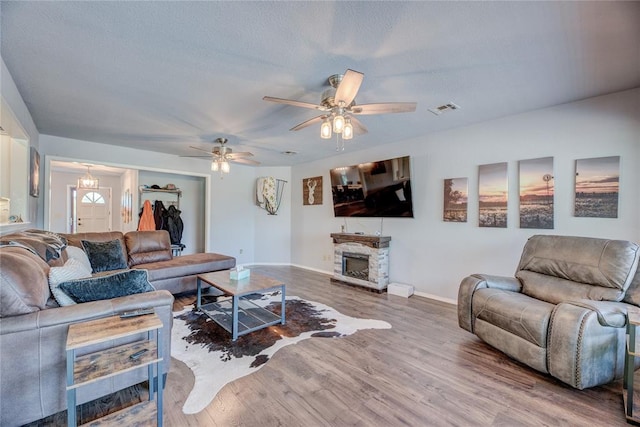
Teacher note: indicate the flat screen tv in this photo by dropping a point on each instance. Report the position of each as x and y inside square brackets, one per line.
[375, 189]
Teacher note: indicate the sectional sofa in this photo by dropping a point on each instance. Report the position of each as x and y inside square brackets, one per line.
[33, 326]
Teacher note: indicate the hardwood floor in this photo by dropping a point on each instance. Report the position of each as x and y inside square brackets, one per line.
[425, 371]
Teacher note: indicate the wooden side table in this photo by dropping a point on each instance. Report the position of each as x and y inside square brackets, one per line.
[113, 361]
[632, 351]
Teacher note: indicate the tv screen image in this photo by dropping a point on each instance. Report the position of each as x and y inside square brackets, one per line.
[375, 189]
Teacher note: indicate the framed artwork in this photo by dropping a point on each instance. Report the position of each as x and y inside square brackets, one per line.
[127, 202]
[536, 193]
[456, 192]
[312, 191]
[597, 186]
[493, 193]
[34, 172]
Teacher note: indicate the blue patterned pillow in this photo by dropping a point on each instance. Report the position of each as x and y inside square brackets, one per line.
[109, 286]
[105, 256]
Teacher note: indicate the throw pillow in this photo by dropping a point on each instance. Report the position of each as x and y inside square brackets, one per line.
[71, 270]
[106, 287]
[105, 256]
[79, 255]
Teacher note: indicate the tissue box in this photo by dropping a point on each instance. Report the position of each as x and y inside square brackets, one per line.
[400, 289]
[240, 274]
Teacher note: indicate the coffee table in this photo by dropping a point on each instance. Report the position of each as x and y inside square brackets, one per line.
[238, 314]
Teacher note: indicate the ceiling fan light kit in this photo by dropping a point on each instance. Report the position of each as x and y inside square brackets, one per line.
[339, 107]
[222, 156]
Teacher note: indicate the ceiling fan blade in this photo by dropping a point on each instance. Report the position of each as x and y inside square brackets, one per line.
[294, 103]
[200, 149]
[209, 156]
[348, 87]
[384, 108]
[358, 127]
[309, 122]
[240, 154]
[245, 161]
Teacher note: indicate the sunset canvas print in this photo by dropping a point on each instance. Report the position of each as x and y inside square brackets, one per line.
[493, 195]
[597, 186]
[455, 200]
[536, 193]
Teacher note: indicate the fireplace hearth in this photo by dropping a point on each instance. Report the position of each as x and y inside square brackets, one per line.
[361, 260]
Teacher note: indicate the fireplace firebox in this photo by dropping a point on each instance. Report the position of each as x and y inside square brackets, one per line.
[355, 265]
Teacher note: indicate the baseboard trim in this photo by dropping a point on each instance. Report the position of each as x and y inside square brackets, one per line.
[317, 270]
[436, 297]
[330, 273]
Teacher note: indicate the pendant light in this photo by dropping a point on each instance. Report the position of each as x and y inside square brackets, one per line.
[87, 182]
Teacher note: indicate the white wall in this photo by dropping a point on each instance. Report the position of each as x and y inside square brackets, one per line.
[273, 232]
[12, 97]
[433, 255]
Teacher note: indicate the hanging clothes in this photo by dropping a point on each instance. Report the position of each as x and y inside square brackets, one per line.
[174, 225]
[259, 190]
[269, 193]
[159, 215]
[147, 222]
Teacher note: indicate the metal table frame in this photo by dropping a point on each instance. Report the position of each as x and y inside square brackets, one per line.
[235, 332]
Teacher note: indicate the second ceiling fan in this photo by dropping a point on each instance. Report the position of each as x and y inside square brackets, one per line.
[339, 108]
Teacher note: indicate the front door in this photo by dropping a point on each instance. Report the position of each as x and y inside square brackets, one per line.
[93, 210]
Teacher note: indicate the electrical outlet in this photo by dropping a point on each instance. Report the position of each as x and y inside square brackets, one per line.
[241, 251]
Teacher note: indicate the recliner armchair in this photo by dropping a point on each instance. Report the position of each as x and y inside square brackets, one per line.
[565, 311]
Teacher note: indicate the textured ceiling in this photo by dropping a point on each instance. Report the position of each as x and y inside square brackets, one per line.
[165, 75]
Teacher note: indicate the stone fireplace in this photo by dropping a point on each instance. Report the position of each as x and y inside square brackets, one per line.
[361, 260]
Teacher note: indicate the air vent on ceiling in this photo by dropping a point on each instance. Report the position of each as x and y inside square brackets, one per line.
[444, 108]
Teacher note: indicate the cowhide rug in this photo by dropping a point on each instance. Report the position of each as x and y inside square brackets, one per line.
[207, 349]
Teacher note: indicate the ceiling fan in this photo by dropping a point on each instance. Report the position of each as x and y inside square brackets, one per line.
[221, 155]
[339, 108]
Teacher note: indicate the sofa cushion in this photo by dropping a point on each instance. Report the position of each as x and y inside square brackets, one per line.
[115, 285]
[555, 290]
[104, 236]
[148, 246]
[105, 256]
[71, 270]
[514, 312]
[632, 296]
[79, 255]
[188, 265]
[23, 287]
[558, 268]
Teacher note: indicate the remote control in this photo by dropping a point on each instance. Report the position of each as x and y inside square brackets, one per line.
[137, 354]
[134, 313]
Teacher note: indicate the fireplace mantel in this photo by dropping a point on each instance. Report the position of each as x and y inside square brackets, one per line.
[364, 239]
